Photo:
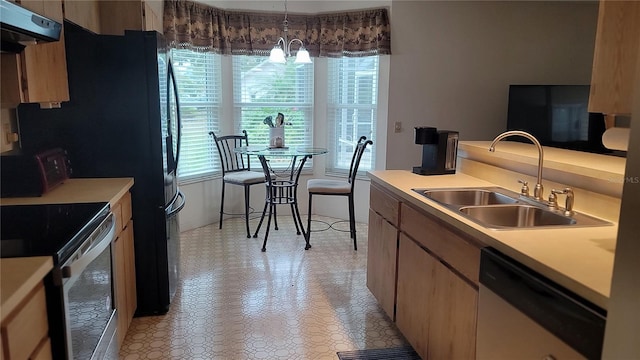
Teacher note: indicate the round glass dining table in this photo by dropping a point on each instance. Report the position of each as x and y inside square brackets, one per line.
[282, 185]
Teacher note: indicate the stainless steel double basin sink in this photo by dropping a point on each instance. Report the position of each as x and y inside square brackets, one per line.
[498, 208]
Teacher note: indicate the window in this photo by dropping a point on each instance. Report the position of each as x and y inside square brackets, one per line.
[198, 77]
[262, 89]
[351, 110]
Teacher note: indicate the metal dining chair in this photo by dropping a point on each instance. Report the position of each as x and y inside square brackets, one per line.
[236, 170]
[339, 187]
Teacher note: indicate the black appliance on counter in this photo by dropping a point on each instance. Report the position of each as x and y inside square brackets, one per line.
[123, 121]
[25, 175]
[439, 151]
[79, 290]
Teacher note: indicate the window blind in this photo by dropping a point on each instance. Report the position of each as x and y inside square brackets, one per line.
[198, 77]
[261, 89]
[351, 110]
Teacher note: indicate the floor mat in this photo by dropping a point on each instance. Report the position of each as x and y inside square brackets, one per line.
[399, 353]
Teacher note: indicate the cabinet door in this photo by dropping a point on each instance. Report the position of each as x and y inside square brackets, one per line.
[130, 268]
[453, 308]
[416, 270]
[436, 309]
[85, 13]
[614, 60]
[118, 16]
[44, 66]
[121, 287]
[381, 262]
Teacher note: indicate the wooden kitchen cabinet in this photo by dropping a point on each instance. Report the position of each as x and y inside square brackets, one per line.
[381, 262]
[43, 67]
[615, 57]
[437, 287]
[125, 278]
[436, 309]
[118, 16]
[25, 332]
[415, 283]
[85, 13]
[382, 249]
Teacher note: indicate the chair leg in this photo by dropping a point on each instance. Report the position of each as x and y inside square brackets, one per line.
[266, 233]
[296, 212]
[264, 211]
[221, 206]
[246, 209]
[275, 210]
[295, 221]
[308, 234]
[352, 222]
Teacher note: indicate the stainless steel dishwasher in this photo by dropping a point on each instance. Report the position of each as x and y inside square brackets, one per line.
[523, 315]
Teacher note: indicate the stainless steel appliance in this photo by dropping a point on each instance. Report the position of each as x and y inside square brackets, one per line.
[523, 315]
[32, 174]
[439, 151]
[80, 289]
[21, 26]
[123, 120]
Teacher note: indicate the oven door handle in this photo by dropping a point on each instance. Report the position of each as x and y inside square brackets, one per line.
[81, 261]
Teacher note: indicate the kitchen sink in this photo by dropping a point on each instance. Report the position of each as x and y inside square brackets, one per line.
[465, 197]
[516, 216]
[502, 209]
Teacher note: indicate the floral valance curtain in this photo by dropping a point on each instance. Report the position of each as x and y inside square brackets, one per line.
[188, 24]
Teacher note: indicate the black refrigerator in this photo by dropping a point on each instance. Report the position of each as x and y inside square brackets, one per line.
[122, 121]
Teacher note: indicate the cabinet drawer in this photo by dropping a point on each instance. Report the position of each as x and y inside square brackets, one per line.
[384, 204]
[125, 203]
[27, 326]
[122, 211]
[460, 253]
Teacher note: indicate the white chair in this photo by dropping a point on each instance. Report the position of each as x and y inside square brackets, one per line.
[339, 187]
[236, 170]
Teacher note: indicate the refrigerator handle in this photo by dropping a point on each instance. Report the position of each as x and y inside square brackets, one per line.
[172, 78]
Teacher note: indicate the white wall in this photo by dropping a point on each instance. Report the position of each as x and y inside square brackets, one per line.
[454, 71]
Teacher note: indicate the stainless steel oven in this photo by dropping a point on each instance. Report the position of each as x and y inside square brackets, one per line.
[89, 301]
[80, 288]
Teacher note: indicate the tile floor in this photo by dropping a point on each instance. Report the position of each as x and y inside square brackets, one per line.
[236, 302]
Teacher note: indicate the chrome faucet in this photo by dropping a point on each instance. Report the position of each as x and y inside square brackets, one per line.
[568, 204]
[537, 191]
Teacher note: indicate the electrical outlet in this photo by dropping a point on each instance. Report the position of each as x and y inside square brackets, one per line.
[397, 127]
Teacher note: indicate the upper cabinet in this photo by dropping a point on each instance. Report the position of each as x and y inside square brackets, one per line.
[118, 16]
[40, 71]
[85, 13]
[614, 60]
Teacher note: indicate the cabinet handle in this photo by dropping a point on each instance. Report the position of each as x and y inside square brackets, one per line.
[548, 357]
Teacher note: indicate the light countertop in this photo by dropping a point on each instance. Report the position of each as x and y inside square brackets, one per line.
[79, 191]
[18, 276]
[578, 258]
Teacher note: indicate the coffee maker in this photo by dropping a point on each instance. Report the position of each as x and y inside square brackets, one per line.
[439, 151]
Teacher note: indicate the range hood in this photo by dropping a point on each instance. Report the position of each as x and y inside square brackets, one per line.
[21, 27]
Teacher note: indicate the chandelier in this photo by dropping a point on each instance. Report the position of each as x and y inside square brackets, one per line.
[280, 53]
